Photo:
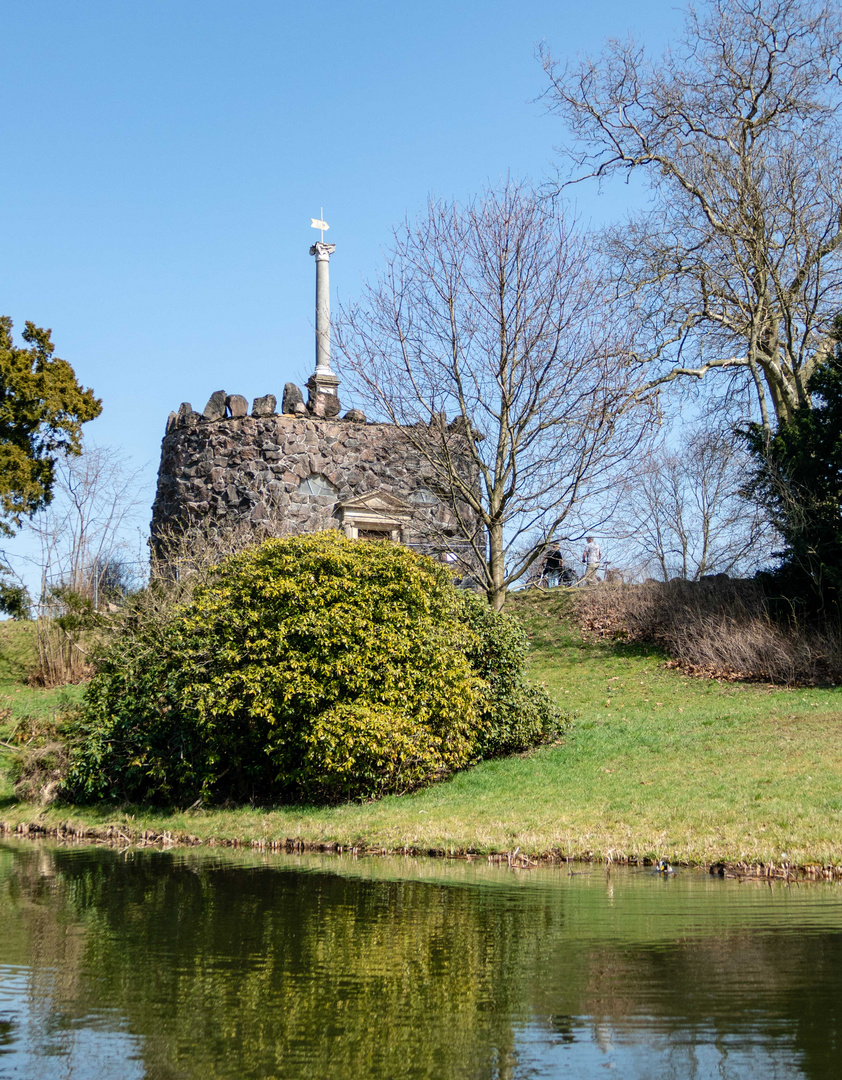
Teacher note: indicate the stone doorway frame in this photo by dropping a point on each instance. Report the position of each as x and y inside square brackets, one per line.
[376, 511]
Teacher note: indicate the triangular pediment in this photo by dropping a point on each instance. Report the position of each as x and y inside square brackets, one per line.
[375, 502]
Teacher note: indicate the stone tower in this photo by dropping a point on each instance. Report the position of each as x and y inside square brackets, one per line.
[304, 468]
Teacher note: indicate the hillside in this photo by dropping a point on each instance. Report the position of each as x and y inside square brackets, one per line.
[655, 764]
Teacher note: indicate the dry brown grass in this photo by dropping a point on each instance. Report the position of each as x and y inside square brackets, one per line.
[40, 772]
[70, 627]
[63, 654]
[718, 627]
[40, 755]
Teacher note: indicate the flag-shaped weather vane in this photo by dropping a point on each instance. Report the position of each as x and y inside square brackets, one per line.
[320, 223]
[326, 380]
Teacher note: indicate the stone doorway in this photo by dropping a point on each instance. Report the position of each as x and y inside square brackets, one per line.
[374, 534]
[375, 516]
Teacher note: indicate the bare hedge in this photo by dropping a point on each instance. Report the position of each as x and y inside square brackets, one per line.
[720, 626]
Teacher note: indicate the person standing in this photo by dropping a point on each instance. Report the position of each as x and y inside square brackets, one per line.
[591, 557]
[553, 565]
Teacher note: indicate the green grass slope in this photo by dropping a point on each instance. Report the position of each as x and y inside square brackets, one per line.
[655, 764]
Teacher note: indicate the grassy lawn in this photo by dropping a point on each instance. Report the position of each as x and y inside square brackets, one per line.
[655, 763]
[23, 708]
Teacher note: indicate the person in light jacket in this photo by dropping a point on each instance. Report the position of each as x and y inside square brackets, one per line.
[591, 557]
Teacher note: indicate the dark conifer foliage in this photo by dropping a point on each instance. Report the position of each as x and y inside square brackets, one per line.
[42, 409]
[798, 480]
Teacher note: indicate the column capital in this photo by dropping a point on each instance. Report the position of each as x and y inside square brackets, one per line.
[322, 251]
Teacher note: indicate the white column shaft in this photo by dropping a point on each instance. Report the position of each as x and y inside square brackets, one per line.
[323, 314]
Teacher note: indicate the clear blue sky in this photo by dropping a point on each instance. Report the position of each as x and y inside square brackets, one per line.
[162, 160]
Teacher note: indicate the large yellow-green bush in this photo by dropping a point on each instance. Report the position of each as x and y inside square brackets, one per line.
[309, 667]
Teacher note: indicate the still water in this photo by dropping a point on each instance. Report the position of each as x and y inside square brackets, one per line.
[187, 964]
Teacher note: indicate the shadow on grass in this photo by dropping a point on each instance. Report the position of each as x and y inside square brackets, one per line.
[13, 671]
[626, 650]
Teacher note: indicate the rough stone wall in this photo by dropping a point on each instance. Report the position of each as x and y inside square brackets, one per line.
[250, 468]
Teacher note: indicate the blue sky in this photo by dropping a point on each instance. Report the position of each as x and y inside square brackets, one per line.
[163, 159]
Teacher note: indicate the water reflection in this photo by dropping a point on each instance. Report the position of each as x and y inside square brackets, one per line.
[205, 965]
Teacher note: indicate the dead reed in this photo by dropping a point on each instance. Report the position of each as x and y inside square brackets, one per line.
[40, 755]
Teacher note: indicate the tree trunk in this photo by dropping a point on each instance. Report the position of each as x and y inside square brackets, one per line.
[496, 592]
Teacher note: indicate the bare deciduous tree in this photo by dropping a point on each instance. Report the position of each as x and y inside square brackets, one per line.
[738, 264]
[85, 557]
[685, 515]
[82, 533]
[493, 312]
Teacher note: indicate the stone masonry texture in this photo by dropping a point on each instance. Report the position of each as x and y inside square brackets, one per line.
[250, 469]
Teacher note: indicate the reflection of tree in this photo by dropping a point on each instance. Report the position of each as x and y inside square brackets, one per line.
[34, 932]
[223, 970]
[736, 989]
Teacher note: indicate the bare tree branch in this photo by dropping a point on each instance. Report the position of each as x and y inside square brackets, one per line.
[494, 311]
[737, 131]
[684, 515]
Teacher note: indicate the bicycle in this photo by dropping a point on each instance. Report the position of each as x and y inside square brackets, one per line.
[565, 579]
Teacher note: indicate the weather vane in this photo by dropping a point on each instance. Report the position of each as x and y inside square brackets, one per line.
[320, 223]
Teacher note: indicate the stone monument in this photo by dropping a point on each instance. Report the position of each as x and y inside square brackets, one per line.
[322, 385]
[304, 469]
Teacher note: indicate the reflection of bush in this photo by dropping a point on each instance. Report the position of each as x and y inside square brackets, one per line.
[224, 970]
[313, 667]
[298, 974]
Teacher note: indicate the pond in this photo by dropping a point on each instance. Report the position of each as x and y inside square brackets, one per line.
[183, 964]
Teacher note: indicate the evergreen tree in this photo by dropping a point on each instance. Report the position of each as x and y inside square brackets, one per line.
[42, 409]
[798, 480]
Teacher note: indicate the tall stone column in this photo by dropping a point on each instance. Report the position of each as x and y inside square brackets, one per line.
[323, 384]
[323, 253]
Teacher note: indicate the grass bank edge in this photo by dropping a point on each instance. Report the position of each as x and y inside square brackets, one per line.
[656, 765]
[161, 832]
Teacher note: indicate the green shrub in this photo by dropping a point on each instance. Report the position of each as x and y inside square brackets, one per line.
[515, 714]
[368, 750]
[221, 700]
[310, 667]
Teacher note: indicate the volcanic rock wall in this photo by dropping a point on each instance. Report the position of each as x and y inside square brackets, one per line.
[306, 472]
